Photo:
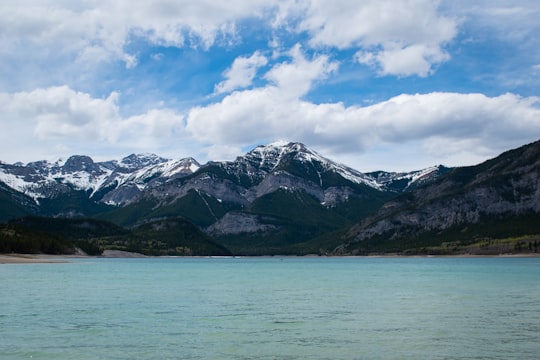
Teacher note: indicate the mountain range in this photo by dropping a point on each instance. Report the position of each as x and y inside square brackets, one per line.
[281, 198]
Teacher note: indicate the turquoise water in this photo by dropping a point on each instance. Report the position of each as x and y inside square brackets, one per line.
[272, 308]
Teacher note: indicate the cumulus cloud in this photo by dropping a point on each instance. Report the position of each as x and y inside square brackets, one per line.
[405, 118]
[241, 73]
[99, 31]
[261, 110]
[297, 76]
[61, 112]
[397, 37]
[416, 59]
[516, 20]
[446, 126]
[68, 119]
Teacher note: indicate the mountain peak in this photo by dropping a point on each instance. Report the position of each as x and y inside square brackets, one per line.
[138, 161]
[80, 163]
[288, 146]
[268, 157]
[279, 164]
[405, 181]
[297, 159]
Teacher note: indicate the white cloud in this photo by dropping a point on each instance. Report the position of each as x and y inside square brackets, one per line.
[262, 110]
[296, 77]
[398, 37]
[241, 73]
[442, 127]
[62, 112]
[401, 133]
[512, 20]
[72, 121]
[99, 31]
[49, 38]
[504, 119]
[412, 60]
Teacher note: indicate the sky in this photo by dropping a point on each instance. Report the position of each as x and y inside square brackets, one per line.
[394, 85]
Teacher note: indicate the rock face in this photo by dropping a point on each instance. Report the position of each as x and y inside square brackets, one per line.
[406, 181]
[507, 186]
[81, 164]
[236, 223]
[261, 171]
[125, 184]
[251, 179]
[281, 188]
[277, 196]
[111, 182]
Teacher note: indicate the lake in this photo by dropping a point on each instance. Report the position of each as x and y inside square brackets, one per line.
[272, 308]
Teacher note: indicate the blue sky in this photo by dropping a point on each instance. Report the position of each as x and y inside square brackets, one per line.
[393, 85]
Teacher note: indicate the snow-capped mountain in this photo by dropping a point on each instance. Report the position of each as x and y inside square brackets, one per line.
[499, 198]
[73, 186]
[43, 179]
[406, 181]
[265, 169]
[283, 193]
[284, 198]
[121, 188]
[265, 159]
[137, 161]
[297, 159]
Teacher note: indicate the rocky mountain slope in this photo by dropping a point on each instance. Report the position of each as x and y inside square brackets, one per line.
[266, 169]
[79, 185]
[406, 181]
[284, 191]
[500, 197]
[262, 170]
[286, 198]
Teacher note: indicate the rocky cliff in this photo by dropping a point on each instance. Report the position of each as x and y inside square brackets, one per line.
[506, 187]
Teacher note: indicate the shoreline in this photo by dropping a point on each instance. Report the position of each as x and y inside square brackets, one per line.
[32, 259]
[6, 259]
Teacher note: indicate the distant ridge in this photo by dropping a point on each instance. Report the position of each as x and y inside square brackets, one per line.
[118, 182]
[284, 198]
[495, 199]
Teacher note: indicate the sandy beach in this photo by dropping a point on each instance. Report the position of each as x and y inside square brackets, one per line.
[27, 259]
[52, 259]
